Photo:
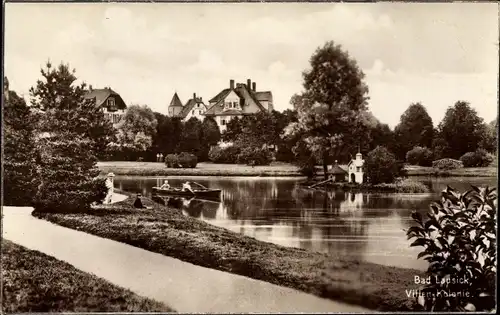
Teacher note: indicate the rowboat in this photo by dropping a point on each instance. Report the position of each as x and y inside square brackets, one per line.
[198, 193]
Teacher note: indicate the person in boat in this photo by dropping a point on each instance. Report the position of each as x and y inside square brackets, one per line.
[187, 187]
[138, 203]
[165, 185]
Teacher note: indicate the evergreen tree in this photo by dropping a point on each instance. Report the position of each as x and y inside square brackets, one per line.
[19, 159]
[73, 133]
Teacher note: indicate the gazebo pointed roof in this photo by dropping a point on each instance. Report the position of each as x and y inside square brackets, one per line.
[175, 102]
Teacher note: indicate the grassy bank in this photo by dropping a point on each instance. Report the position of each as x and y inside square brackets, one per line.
[277, 169]
[202, 169]
[490, 171]
[404, 186]
[35, 282]
[167, 231]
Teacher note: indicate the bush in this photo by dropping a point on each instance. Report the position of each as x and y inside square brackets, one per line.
[254, 156]
[419, 156]
[480, 158]
[406, 186]
[447, 164]
[53, 198]
[459, 238]
[184, 160]
[187, 160]
[381, 166]
[172, 160]
[98, 186]
[224, 155]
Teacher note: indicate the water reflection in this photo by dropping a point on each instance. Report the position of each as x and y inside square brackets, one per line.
[363, 226]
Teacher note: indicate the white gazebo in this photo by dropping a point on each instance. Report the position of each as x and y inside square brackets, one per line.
[355, 169]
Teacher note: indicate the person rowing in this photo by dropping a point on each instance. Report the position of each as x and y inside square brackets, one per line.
[165, 185]
[187, 187]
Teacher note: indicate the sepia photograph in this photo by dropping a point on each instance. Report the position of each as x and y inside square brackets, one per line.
[225, 157]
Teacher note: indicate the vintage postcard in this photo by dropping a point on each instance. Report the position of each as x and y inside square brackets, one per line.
[249, 157]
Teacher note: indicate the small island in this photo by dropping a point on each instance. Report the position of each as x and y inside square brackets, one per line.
[379, 173]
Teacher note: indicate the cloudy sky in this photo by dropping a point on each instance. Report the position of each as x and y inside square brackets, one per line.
[430, 53]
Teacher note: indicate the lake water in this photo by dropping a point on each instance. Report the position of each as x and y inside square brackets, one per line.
[367, 227]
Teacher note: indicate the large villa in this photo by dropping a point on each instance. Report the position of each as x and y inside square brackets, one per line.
[234, 101]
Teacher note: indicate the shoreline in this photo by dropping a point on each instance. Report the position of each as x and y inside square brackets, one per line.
[167, 231]
[276, 169]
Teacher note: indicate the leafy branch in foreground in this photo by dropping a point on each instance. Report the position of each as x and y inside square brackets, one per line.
[459, 237]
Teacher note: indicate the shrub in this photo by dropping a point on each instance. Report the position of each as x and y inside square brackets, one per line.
[410, 186]
[419, 156]
[479, 158]
[187, 160]
[98, 186]
[172, 160]
[447, 164]
[459, 238]
[224, 155]
[381, 166]
[254, 156]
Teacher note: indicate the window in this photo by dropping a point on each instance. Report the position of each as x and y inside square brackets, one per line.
[358, 169]
[111, 103]
[223, 122]
[198, 105]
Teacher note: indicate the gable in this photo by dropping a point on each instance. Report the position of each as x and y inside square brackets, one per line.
[101, 97]
[232, 97]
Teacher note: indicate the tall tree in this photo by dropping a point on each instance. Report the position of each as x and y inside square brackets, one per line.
[19, 163]
[414, 129]
[192, 137]
[210, 136]
[332, 105]
[490, 136]
[73, 134]
[460, 131]
[137, 128]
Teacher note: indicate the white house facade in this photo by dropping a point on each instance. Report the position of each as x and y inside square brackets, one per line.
[355, 169]
[194, 107]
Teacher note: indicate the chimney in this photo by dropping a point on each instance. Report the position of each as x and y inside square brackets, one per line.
[249, 84]
[194, 96]
[90, 88]
[231, 84]
[254, 86]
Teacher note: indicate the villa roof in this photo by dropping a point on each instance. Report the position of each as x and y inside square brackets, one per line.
[337, 170]
[176, 101]
[101, 95]
[264, 96]
[220, 95]
[247, 97]
[189, 106]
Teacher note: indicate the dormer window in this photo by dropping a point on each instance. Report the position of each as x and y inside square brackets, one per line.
[111, 103]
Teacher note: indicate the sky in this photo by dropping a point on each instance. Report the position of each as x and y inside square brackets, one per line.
[432, 53]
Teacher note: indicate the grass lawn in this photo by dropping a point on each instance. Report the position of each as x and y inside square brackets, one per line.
[167, 231]
[275, 169]
[202, 169]
[35, 282]
[489, 171]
